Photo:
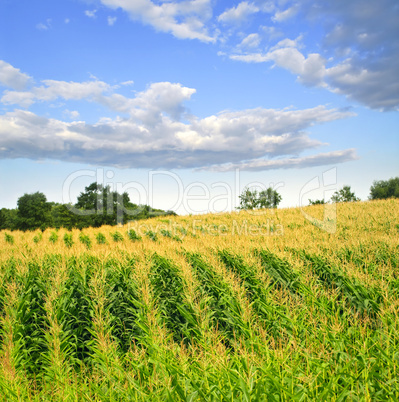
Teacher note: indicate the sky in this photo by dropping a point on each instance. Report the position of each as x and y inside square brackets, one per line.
[183, 104]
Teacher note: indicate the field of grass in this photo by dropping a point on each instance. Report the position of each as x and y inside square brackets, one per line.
[205, 308]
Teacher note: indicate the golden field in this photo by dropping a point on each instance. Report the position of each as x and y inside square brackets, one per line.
[283, 304]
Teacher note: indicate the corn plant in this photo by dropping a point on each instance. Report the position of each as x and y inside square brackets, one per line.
[68, 240]
[226, 312]
[116, 236]
[37, 238]
[30, 325]
[359, 297]
[85, 239]
[53, 237]
[9, 238]
[101, 239]
[168, 289]
[281, 272]
[151, 235]
[274, 317]
[133, 236]
[123, 305]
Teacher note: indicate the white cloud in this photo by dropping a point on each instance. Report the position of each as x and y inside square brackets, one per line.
[111, 21]
[184, 20]
[44, 26]
[281, 16]
[156, 130]
[310, 70]
[252, 40]
[256, 165]
[356, 56]
[91, 13]
[12, 77]
[71, 114]
[164, 141]
[238, 14]
[53, 89]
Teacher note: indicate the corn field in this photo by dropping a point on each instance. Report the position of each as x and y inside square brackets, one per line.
[226, 307]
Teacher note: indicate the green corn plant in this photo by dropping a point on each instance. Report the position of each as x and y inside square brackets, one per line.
[358, 296]
[123, 306]
[68, 240]
[168, 290]
[53, 237]
[116, 236]
[273, 316]
[226, 312]
[151, 235]
[85, 239]
[133, 236]
[30, 323]
[74, 315]
[281, 272]
[9, 238]
[100, 238]
[37, 238]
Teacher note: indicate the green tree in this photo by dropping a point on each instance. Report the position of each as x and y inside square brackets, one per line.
[8, 219]
[33, 212]
[268, 198]
[316, 202]
[248, 199]
[383, 189]
[98, 206]
[344, 195]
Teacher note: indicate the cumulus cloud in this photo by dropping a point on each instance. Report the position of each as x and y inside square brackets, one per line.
[155, 129]
[310, 70]
[184, 20]
[156, 139]
[238, 14]
[12, 77]
[357, 56]
[53, 89]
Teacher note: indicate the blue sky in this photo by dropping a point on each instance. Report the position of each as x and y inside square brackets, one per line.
[168, 99]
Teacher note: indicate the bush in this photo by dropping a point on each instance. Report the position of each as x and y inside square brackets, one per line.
[385, 189]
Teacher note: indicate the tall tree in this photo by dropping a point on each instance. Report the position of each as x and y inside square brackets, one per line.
[33, 212]
[385, 189]
[344, 195]
[268, 198]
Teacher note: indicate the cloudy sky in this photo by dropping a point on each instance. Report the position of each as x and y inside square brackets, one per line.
[178, 99]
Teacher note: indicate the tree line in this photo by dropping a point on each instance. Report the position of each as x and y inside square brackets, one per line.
[96, 206]
[270, 198]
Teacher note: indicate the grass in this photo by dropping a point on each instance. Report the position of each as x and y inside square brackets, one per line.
[205, 309]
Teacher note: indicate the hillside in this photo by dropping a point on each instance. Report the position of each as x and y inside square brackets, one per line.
[276, 305]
